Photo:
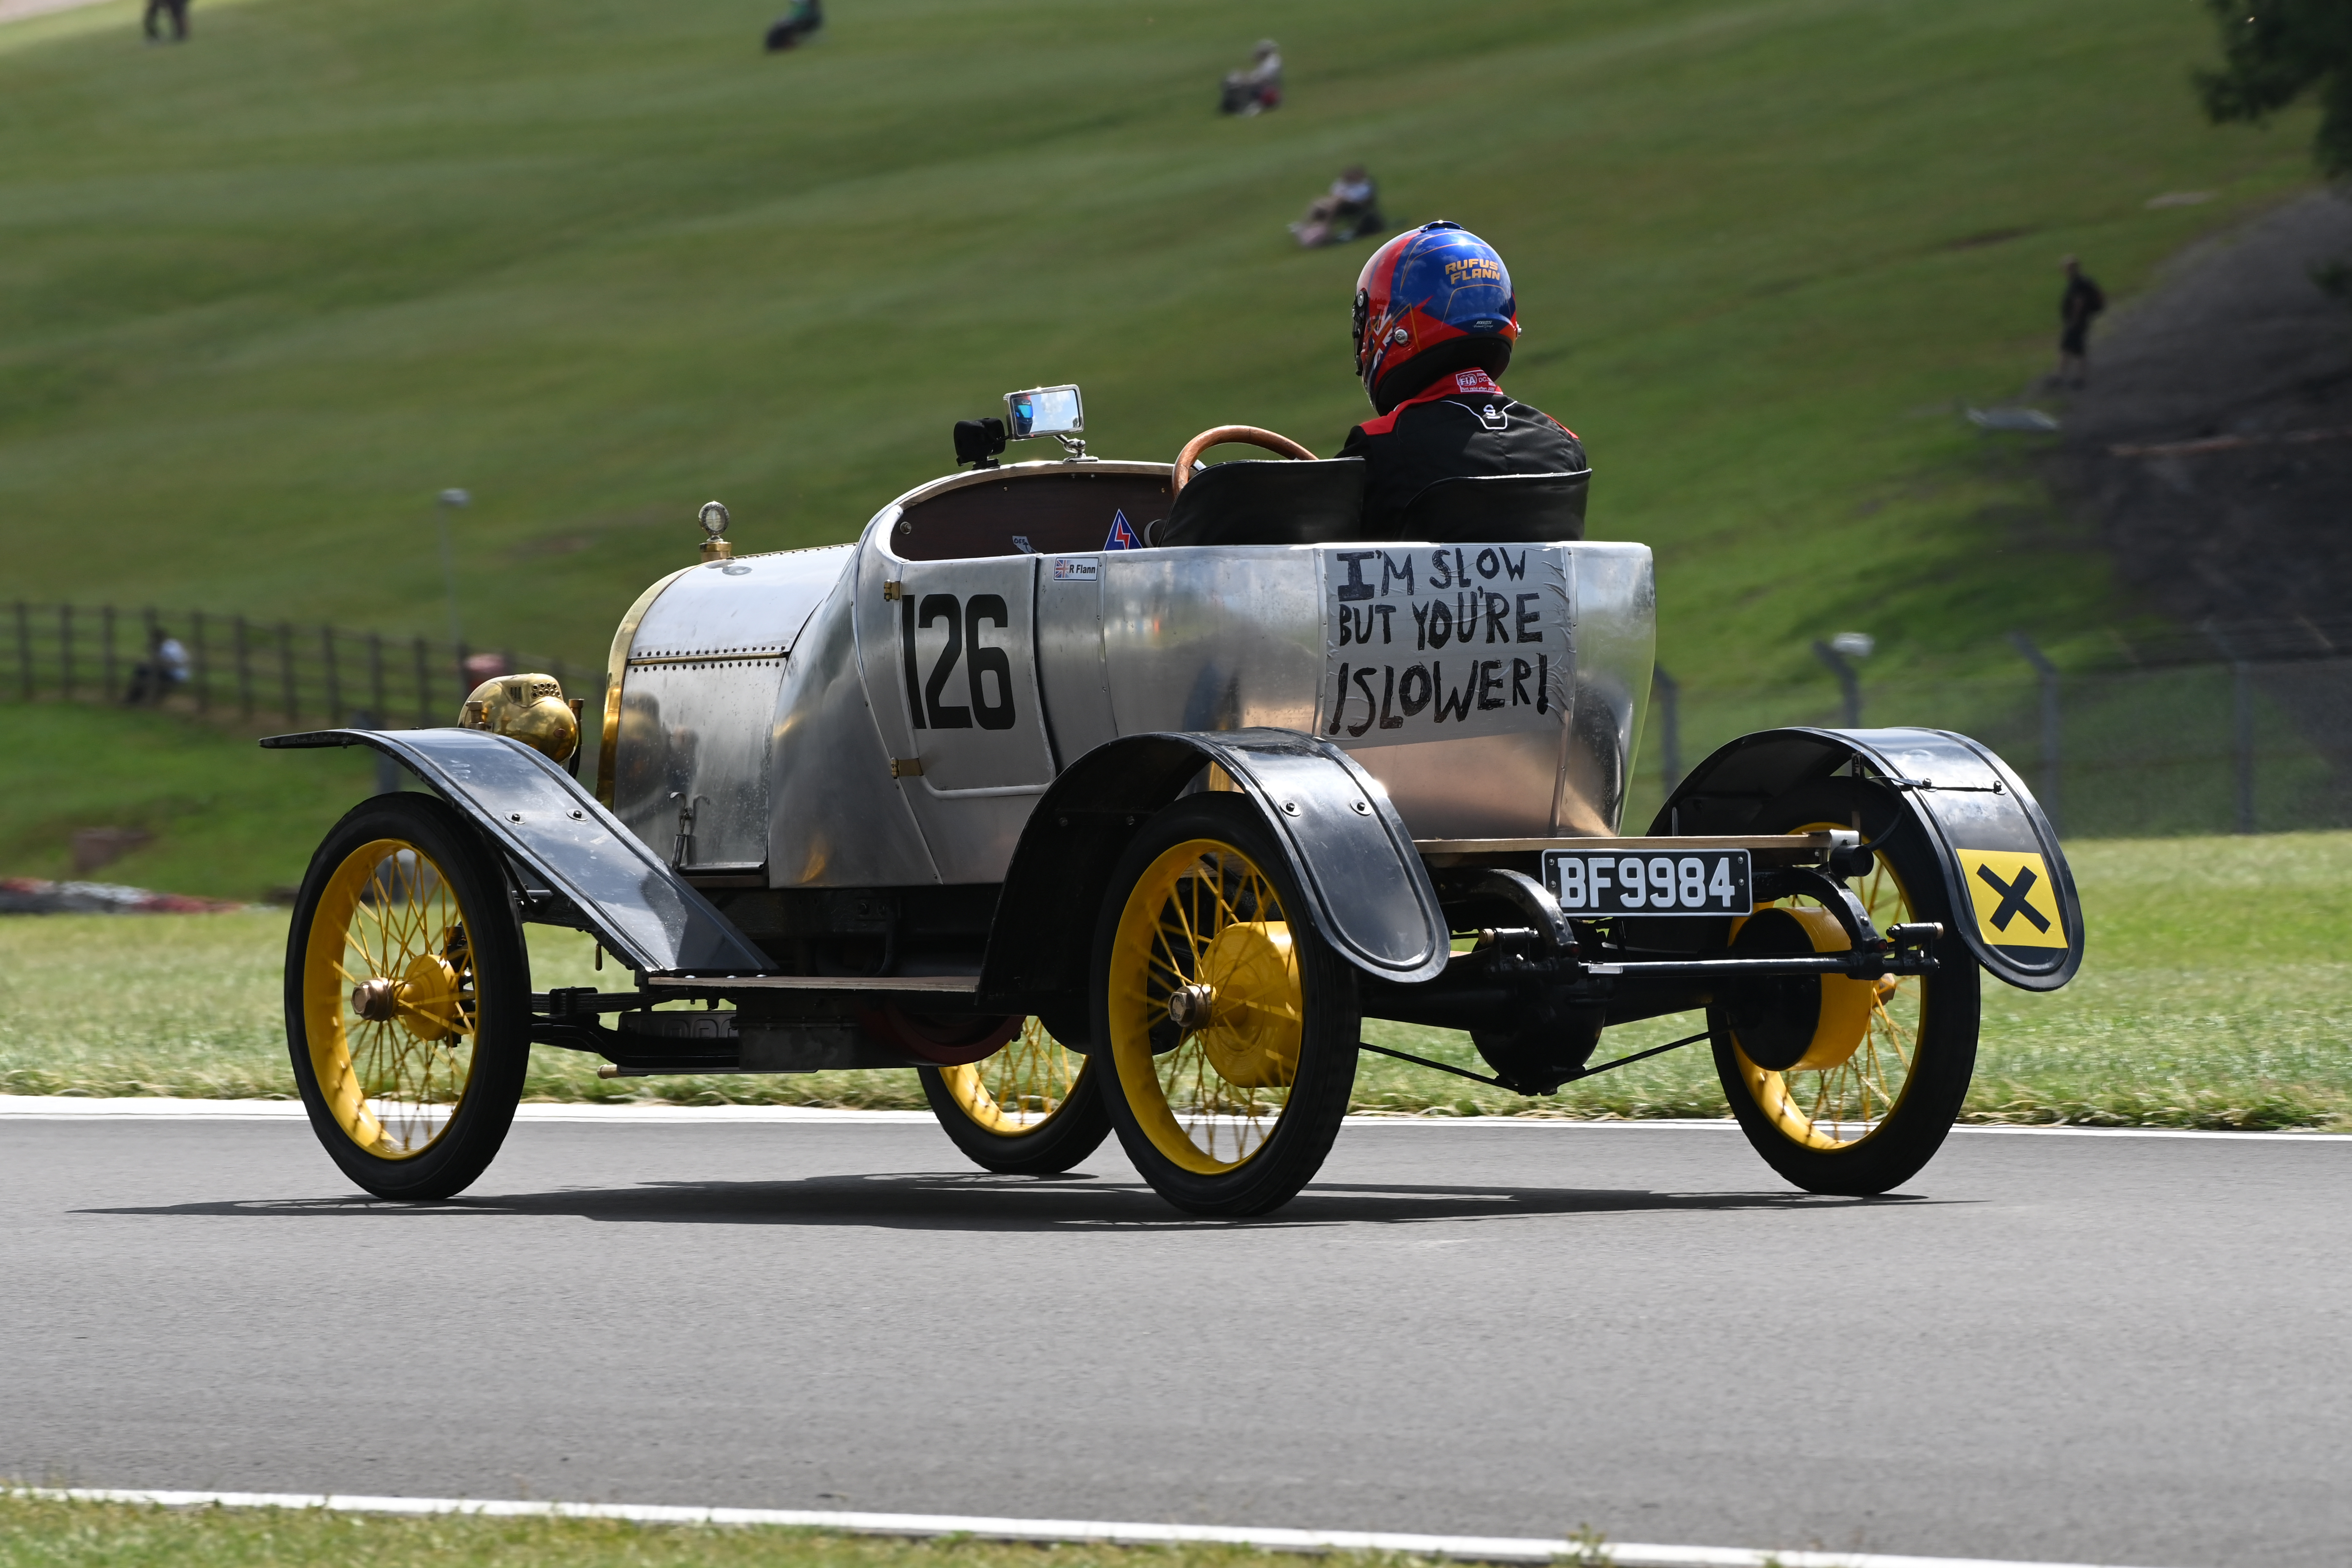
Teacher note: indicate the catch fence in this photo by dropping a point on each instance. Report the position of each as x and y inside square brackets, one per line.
[2167, 746]
[234, 666]
[2238, 730]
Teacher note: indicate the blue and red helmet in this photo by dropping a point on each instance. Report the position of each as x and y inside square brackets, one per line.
[1430, 302]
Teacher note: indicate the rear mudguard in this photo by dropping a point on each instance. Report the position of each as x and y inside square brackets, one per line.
[1367, 892]
[2001, 858]
[538, 815]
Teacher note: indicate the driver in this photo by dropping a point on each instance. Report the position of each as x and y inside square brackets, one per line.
[1434, 323]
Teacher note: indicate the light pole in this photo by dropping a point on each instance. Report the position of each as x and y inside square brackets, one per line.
[443, 505]
[1837, 653]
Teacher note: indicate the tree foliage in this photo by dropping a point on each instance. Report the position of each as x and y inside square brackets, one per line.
[2275, 51]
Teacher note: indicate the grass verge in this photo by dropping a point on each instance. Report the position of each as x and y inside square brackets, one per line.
[228, 819]
[261, 297]
[36, 1532]
[2216, 995]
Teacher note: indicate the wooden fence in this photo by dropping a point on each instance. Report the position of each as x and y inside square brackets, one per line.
[238, 668]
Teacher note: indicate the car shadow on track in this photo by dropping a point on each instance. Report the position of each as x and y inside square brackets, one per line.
[977, 1201]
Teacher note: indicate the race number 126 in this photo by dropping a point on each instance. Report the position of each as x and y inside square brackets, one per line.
[1711, 882]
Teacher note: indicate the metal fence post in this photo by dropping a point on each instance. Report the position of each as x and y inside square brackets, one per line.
[423, 692]
[2052, 779]
[65, 651]
[24, 651]
[2241, 694]
[1668, 692]
[106, 641]
[244, 667]
[1849, 681]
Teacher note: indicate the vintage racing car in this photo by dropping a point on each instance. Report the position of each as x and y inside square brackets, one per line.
[1118, 794]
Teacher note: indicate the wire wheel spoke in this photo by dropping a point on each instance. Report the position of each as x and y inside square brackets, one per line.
[1218, 890]
[1846, 1103]
[389, 986]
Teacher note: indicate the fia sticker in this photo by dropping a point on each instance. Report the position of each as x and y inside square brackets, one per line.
[2016, 904]
[1077, 568]
[1122, 536]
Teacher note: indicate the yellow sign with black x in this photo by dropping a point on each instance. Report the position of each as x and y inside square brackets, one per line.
[2016, 903]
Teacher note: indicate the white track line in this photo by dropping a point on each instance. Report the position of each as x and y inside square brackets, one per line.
[1461, 1548]
[20, 10]
[158, 1107]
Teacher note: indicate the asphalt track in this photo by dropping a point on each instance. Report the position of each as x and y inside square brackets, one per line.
[2079, 1349]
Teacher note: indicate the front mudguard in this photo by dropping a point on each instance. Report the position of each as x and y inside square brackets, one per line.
[1367, 892]
[2003, 866]
[538, 817]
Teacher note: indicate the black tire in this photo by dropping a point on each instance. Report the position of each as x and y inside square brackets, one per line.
[1283, 1027]
[1035, 1073]
[1907, 1080]
[403, 897]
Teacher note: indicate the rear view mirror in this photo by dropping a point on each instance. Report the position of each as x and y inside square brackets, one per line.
[1044, 411]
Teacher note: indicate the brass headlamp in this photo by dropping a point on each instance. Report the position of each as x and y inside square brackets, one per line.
[531, 708]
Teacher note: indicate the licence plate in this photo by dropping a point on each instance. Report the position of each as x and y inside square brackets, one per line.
[1701, 881]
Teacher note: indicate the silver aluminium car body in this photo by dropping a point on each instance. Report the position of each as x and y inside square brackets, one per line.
[864, 716]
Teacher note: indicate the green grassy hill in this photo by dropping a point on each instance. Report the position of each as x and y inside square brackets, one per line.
[262, 296]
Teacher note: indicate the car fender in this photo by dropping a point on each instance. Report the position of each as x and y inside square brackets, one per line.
[538, 816]
[1988, 830]
[1366, 890]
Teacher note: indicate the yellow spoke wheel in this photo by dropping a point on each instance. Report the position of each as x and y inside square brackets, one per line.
[1855, 1093]
[1229, 1026]
[407, 998]
[1029, 1109]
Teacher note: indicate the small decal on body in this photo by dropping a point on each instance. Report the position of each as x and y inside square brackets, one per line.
[1077, 568]
[1122, 534]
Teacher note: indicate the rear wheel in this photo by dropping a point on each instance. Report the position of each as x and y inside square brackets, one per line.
[1849, 1087]
[1229, 1027]
[1030, 1109]
[407, 999]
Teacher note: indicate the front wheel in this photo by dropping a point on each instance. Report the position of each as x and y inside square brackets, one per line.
[1030, 1109]
[407, 999]
[1848, 1087]
[1228, 1025]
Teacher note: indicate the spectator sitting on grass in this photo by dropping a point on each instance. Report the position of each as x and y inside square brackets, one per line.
[163, 671]
[1258, 88]
[795, 26]
[1351, 209]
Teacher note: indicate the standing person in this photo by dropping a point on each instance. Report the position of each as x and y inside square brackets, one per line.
[1258, 88]
[1435, 319]
[2079, 302]
[175, 9]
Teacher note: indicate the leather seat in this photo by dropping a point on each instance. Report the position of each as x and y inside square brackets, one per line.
[1276, 501]
[1499, 509]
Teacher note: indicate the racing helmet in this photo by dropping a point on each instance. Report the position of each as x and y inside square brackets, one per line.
[1433, 301]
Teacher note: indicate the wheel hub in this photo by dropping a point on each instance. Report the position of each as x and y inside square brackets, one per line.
[376, 1000]
[1252, 1029]
[428, 998]
[1191, 1006]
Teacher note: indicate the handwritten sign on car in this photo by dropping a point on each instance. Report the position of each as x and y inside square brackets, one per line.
[1427, 642]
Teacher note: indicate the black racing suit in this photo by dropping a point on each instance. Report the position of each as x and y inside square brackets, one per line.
[1462, 425]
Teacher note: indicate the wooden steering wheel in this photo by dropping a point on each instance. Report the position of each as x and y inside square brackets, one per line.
[1217, 436]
